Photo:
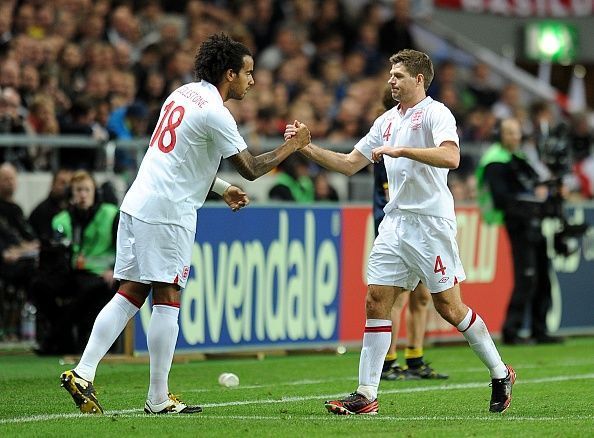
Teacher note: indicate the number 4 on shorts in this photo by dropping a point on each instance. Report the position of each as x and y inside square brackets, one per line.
[439, 267]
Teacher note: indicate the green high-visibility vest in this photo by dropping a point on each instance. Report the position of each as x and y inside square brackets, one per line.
[302, 190]
[96, 245]
[495, 154]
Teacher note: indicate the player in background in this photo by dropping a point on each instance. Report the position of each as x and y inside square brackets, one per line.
[418, 301]
[417, 237]
[158, 215]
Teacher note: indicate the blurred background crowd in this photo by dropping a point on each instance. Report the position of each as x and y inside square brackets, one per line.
[102, 68]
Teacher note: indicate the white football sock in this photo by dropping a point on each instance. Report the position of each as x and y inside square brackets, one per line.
[161, 340]
[376, 342]
[107, 327]
[476, 333]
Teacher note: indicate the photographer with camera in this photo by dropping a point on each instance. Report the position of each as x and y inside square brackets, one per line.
[76, 269]
[506, 184]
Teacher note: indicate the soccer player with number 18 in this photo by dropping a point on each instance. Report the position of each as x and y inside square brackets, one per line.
[158, 215]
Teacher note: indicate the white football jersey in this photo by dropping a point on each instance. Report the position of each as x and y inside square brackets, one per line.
[195, 130]
[414, 186]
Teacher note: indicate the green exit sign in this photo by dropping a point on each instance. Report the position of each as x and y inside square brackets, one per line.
[553, 41]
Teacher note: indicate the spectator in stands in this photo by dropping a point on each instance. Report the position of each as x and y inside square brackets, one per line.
[30, 83]
[42, 120]
[447, 82]
[126, 123]
[509, 102]
[329, 19]
[6, 34]
[293, 182]
[19, 249]
[68, 297]
[481, 87]
[479, 125]
[581, 137]
[71, 77]
[367, 44]
[324, 191]
[262, 20]
[10, 74]
[9, 210]
[150, 16]
[12, 122]
[290, 41]
[395, 34]
[57, 200]
[97, 85]
[152, 94]
[80, 120]
[24, 18]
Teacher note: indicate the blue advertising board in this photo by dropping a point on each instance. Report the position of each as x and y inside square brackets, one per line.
[263, 276]
[291, 277]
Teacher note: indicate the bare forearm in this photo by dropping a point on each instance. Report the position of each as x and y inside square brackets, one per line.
[251, 167]
[331, 160]
[267, 161]
[437, 157]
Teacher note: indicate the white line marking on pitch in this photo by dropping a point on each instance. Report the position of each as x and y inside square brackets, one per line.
[138, 412]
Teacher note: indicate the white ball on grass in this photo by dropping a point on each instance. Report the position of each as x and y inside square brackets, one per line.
[228, 380]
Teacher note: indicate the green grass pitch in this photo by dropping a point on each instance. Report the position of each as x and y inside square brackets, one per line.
[283, 396]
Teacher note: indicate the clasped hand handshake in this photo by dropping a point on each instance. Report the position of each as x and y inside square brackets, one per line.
[294, 129]
[299, 132]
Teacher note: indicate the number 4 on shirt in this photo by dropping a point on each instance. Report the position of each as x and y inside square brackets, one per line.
[159, 134]
[387, 133]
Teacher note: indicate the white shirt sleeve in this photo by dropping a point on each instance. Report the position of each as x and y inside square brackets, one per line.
[372, 139]
[443, 126]
[224, 133]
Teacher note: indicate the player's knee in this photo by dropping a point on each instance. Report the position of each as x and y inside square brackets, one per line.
[377, 305]
[420, 301]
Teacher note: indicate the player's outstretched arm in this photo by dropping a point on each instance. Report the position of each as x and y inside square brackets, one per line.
[445, 155]
[252, 167]
[347, 164]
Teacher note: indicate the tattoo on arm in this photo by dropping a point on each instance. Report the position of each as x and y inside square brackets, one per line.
[251, 167]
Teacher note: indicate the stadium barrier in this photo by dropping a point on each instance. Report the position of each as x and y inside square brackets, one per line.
[279, 277]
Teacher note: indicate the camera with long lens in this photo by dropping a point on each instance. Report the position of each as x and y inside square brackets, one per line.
[55, 255]
[555, 150]
[566, 240]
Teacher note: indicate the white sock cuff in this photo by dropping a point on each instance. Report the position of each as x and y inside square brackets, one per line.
[378, 322]
[165, 310]
[467, 321]
[125, 304]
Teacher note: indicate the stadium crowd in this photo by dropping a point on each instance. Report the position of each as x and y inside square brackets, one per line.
[102, 68]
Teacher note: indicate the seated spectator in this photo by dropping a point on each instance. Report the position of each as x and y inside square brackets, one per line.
[80, 120]
[57, 200]
[12, 122]
[482, 89]
[293, 182]
[76, 272]
[19, 250]
[125, 123]
[323, 189]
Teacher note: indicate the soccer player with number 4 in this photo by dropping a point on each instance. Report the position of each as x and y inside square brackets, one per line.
[158, 215]
[418, 142]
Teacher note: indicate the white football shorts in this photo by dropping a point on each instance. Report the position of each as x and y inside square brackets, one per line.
[412, 247]
[152, 252]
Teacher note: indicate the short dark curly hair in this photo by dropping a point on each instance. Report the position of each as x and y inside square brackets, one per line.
[216, 55]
